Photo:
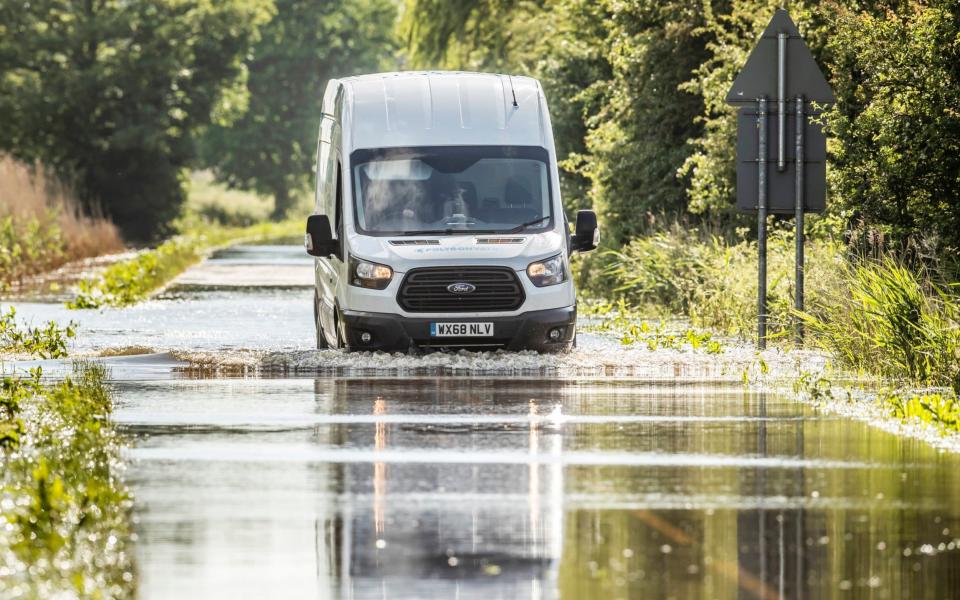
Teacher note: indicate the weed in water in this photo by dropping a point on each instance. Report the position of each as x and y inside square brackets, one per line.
[49, 341]
[65, 526]
[939, 410]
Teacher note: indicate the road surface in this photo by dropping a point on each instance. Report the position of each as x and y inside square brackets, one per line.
[476, 482]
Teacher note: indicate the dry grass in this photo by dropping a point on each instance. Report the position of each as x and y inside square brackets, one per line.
[42, 225]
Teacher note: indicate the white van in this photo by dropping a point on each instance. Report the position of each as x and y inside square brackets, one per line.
[438, 221]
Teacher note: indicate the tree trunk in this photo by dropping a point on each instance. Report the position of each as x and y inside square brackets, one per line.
[281, 203]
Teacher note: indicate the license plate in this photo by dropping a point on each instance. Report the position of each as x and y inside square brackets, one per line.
[461, 329]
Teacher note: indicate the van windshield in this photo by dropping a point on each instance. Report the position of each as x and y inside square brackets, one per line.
[446, 190]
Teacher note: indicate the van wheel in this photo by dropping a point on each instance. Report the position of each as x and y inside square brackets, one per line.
[318, 327]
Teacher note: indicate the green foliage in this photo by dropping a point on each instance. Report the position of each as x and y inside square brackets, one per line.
[130, 281]
[271, 148]
[109, 93]
[211, 202]
[890, 321]
[896, 158]
[475, 34]
[941, 411]
[49, 341]
[28, 246]
[65, 524]
[637, 135]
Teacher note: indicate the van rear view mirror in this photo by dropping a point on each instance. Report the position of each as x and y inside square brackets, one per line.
[319, 237]
[586, 232]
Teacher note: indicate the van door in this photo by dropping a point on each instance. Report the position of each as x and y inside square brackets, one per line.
[329, 194]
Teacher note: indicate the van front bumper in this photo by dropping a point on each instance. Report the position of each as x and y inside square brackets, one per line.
[527, 331]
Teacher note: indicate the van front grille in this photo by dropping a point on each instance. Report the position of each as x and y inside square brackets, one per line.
[425, 290]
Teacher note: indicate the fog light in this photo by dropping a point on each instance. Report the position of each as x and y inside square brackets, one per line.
[555, 334]
[365, 337]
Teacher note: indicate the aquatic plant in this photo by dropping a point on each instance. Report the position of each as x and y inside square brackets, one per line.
[620, 319]
[130, 281]
[65, 526]
[49, 341]
[939, 410]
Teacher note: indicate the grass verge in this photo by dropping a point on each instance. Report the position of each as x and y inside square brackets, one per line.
[878, 317]
[65, 528]
[897, 323]
[130, 281]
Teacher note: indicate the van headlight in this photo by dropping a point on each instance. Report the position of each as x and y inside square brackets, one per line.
[547, 272]
[368, 274]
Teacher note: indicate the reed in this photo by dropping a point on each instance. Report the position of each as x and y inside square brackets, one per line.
[42, 225]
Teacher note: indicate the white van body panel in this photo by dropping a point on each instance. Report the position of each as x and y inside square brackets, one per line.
[434, 109]
[437, 109]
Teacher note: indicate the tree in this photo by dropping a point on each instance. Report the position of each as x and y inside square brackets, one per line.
[109, 92]
[271, 148]
[896, 160]
[638, 138]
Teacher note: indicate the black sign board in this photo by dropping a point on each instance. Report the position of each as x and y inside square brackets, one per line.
[781, 153]
[781, 185]
[759, 76]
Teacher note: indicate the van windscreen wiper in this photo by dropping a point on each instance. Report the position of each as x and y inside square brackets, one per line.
[523, 226]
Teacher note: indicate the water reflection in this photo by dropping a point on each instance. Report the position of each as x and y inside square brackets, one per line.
[365, 488]
[443, 530]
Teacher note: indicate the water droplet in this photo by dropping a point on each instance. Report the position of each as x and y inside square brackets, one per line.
[666, 549]
[627, 552]
[381, 544]
[452, 561]
[882, 546]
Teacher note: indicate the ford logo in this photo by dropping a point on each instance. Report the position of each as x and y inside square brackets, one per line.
[461, 288]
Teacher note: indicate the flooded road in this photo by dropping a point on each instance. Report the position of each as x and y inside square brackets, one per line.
[524, 484]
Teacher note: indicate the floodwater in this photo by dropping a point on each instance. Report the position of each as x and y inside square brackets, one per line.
[495, 484]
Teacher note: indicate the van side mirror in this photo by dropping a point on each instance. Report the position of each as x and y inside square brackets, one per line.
[319, 237]
[586, 232]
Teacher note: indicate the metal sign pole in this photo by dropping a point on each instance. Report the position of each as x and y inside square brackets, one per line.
[780, 69]
[798, 286]
[781, 101]
[762, 228]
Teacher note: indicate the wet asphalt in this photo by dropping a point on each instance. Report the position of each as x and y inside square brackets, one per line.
[529, 485]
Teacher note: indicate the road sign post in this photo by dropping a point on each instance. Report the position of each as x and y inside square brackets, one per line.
[780, 66]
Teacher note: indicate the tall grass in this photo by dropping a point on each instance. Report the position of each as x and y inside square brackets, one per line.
[892, 321]
[42, 226]
[712, 278]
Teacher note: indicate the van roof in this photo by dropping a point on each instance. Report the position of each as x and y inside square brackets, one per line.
[442, 108]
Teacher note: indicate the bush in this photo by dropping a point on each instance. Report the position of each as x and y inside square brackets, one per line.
[49, 341]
